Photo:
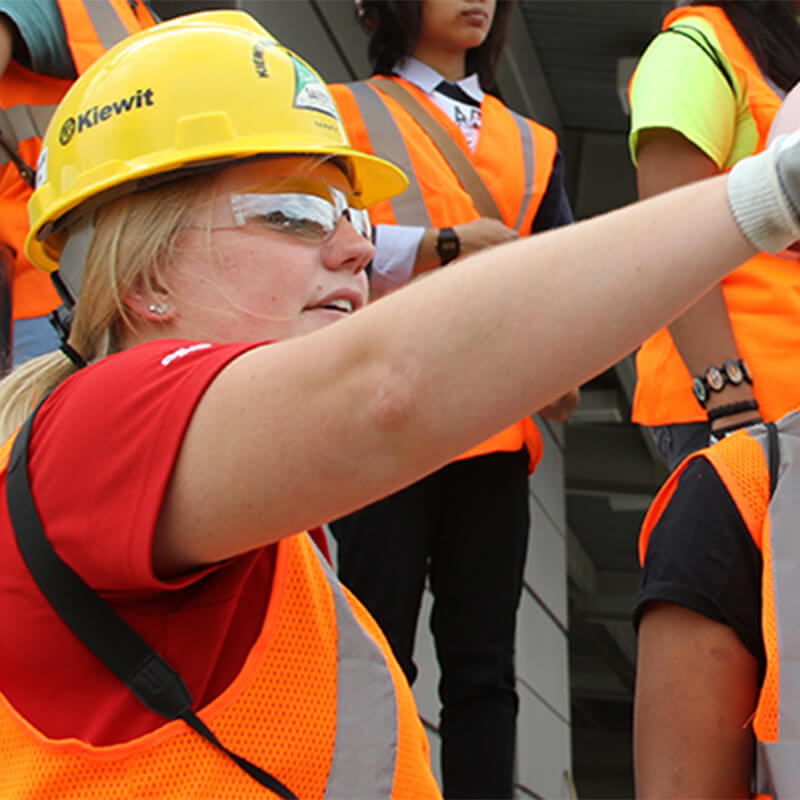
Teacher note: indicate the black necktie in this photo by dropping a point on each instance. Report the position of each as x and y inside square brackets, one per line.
[455, 92]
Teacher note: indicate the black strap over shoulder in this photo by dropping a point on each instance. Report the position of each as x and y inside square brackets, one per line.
[26, 172]
[773, 456]
[96, 624]
[702, 41]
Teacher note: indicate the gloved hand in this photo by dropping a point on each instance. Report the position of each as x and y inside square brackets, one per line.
[764, 194]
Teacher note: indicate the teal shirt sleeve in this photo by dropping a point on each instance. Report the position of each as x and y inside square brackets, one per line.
[42, 29]
[40, 25]
[678, 86]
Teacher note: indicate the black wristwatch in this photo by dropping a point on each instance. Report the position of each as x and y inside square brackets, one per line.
[448, 245]
[714, 379]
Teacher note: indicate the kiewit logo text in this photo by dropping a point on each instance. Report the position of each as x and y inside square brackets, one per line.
[97, 114]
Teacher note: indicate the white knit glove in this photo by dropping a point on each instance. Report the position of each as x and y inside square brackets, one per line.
[764, 194]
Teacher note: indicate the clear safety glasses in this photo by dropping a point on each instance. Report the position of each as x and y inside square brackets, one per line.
[301, 207]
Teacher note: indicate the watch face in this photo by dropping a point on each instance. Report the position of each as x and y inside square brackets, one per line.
[448, 246]
[699, 389]
[733, 371]
[715, 378]
[745, 371]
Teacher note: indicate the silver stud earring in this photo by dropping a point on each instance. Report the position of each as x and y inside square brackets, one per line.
[158, 308]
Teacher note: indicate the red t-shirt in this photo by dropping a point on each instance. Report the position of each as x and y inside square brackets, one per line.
[101, 455]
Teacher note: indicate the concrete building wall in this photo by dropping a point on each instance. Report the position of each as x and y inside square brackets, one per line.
[543, 747]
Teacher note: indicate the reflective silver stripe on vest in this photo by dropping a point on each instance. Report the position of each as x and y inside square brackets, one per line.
[110, 28]
[22, 122]
[775, 88]
[528, 159]
[365, 752]
[779, 762]
[387, 142]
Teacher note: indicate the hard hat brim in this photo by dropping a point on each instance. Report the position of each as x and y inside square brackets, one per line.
[374, 180]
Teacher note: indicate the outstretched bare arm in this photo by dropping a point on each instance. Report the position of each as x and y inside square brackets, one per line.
[311, 428]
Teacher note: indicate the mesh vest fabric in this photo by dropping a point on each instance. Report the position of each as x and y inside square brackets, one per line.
[741, 462]
[281, 712]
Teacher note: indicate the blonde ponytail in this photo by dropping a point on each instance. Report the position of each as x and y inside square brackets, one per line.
[22, 390]
[134, 239]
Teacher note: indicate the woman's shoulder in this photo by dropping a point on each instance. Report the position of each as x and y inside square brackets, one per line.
[164, 375]
[685, 82]
[160, 355]
[689, 40]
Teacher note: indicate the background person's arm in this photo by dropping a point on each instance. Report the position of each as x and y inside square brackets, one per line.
[696, 690]
[403, 253]
[39, 37]
[473, 236]
[703, 333]
[294, 434]
[6, 42]
[561, 408]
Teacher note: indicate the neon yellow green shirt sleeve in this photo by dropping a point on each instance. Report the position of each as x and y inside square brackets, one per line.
[678, 86]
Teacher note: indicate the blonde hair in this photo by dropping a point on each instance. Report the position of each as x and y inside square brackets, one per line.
[134, 240]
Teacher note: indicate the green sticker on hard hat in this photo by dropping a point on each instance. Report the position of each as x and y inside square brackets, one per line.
[310, 92]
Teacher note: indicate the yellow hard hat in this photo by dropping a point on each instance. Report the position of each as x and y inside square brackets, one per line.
[197, 90]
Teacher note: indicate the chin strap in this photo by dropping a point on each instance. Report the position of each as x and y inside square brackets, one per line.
[67, 282]
[61, 320]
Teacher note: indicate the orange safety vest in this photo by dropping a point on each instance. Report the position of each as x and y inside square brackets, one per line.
[27, 101]
[762, 296]
[760, 469]
[320, 703]
[514, 157]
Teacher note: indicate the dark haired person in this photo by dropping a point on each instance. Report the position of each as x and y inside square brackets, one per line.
[703, 97]
[444, 52]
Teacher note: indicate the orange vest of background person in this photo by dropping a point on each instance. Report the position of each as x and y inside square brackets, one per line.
[760, 469]
[763, 295]
[320, 703]
[27, 100]
[514, 156]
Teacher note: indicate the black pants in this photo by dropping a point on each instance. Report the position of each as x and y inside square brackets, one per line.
[466, 526]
